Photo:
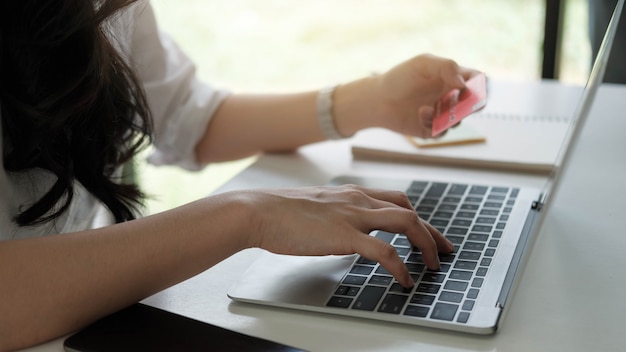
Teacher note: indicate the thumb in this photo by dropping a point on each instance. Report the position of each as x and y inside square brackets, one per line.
[452, 78]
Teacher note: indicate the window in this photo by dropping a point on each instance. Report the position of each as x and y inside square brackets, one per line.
[281, 45]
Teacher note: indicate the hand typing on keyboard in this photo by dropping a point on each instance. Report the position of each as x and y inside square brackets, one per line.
[337, 221]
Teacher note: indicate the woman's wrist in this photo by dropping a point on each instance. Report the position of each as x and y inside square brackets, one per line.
[356, 106]
[242, 217]
[326, 115]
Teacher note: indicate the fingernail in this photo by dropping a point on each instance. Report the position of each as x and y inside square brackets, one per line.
[409, 281]
[450, 247]
[435, 267]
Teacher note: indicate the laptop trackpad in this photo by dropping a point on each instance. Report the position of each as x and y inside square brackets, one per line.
[291, 280]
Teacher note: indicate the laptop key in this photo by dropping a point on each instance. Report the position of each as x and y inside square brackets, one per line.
[455, 239]
[482, 228]
[369, 298]
[339, 302]
[416, 311]
[354, 280]
[474, 199]
[478, 237]
[402, 241]
[429, 201]
[490, 212]
[497, 205]
[363, 260]
[381, 270]
[422, 299]
[463, 317]
[470, 206]
[474, 246]
[352, 291]
[472, 293]
[477, 282]
[446, 258]
[428, 288]
[468, 304]
[465, 265]
[444, 311]
[454, 285]
[485, 220]
[443, 268]
[461, 275]
[499, 189]
[436, 189]
[453, 202]
[433, 277]
[482, 271]
[424, 209]
[443, 214]
[385, 236]
[380, 280]
[392, 303]
[342, 290]
[457, 231]
[397, 288]
[415, 268]
[458, 189]
[417, 187]
[454, 297]
[466, 214]
[415, 258]
[361, 269]
[469, 255]
[478, 190]
[461, 222]
[439, 223]
[402, 251]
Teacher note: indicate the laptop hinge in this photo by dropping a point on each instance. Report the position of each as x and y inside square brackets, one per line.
[538, 204]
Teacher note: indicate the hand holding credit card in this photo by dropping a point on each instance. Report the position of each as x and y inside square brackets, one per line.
[458, 104]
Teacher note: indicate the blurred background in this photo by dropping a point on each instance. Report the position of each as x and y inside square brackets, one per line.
[282, 45]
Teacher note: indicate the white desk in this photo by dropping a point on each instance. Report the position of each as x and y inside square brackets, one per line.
[568, 298]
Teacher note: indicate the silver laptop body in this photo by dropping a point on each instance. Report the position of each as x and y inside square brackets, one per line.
[492, 226]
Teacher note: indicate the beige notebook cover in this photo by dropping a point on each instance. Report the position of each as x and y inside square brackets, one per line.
[512, 143]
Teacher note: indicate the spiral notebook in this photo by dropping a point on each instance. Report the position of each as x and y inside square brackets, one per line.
[511, 134]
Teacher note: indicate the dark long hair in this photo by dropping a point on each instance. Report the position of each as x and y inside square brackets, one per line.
[70, 104]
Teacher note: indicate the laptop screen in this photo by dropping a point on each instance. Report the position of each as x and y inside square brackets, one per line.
[585, 102]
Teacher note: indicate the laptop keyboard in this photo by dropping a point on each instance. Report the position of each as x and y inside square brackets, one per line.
[472, 217]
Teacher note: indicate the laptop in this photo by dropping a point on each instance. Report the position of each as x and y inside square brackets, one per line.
[491, 226]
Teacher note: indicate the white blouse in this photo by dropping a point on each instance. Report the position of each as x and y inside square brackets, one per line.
[181, 107]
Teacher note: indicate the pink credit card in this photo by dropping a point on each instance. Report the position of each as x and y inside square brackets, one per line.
[458, 104]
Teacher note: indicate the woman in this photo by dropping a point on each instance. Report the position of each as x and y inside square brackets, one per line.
[84, 85]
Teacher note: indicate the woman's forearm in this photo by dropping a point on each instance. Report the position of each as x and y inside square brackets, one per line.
[248, 124]
[99, 271]
[245, 125]
[401, 100]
